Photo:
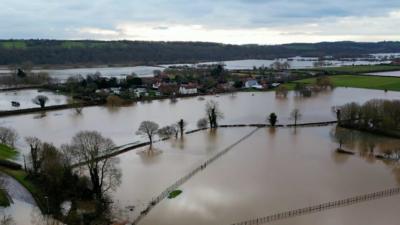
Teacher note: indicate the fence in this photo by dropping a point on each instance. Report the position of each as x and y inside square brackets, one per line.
[321, 207]
[182, 180]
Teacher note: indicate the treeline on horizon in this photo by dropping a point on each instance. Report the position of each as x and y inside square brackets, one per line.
[87, 52]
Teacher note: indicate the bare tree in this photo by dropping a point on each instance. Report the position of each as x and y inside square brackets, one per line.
[168, 131]
[202, 123]
[90, 147]
[213, 113]
[40, 100]
[296, 116]
[35, 152]
[182, 125]
[148, 129]
[8, 136]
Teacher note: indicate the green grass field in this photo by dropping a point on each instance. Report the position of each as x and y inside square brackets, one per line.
[360, 69]
[13, 44]
[358, 81]
[7, 152]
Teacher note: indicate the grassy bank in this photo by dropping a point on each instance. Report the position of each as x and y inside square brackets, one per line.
[358, 81]
[22, 177]
[359, 69]
[7, 152]
[4, 201]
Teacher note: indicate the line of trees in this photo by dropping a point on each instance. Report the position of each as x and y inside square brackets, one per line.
[374, 115]
[56, 52]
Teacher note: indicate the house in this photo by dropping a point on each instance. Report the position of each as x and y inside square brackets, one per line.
[156, 85]
[188, 89]
[252, 84]
[116, 91]
[140, 92]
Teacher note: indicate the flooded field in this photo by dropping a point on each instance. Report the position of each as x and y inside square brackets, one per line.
[121, 123]
[24, 97]
[147, 71]
[274, 171]
[144, 175]
[270, 172]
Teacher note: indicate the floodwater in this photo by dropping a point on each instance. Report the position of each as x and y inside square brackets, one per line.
[386, 74]
[120, 124]
[23, 209]
[147, 71]
[146, 174]
[277, 170]
[24, 97]
[272, 171]
[295, 63]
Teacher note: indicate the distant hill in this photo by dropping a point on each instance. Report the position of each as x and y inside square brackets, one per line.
[59, 52]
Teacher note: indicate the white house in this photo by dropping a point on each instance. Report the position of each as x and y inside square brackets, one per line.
[140, 92]
[187, 89]
[253, 84]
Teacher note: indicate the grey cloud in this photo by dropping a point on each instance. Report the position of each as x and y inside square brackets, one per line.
[56, 19]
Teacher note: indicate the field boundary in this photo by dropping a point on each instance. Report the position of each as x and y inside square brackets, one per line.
[185, 178]
[321, 207]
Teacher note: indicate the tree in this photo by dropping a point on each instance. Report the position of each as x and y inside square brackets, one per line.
[168, 131]
[238, 84]
[350, 114]
[89, 147]
[281, 91]
[202, 123]
[8, 136]
[36, 147]
[182, 125]
[148, 129]
[114, 100]
[295, 115]
[343, 136]
[272, 119]
[213, 113]
[40, 100]
[21, 73]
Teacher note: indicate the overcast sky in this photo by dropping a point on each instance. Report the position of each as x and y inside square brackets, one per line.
[226, 21]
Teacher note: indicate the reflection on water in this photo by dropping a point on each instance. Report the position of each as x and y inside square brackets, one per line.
[145, 176]
[272, 172]
[365, 143]
[120, 125]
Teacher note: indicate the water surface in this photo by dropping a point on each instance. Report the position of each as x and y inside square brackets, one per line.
[24, 97]
[121, 123]
[274, 171]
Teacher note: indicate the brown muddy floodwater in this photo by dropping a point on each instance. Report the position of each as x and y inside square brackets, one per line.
[278, 170]
[267, 173]
[121, 123]
[144, 175]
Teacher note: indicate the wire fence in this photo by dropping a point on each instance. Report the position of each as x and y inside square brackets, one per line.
[185, 178]
[321, 207]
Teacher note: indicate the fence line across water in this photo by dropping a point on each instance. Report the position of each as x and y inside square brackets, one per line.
[185, 178]
[321, 207]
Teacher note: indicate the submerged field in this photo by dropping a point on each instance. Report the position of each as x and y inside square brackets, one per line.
[272, 171]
